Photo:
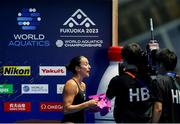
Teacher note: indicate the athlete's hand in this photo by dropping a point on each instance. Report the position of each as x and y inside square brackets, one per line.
[92, 103]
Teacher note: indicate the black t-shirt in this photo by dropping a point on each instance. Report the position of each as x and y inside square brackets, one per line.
[133, 99]
[175, 91]
[167, 90]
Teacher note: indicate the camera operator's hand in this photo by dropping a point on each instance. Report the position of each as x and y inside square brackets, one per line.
[153, 45]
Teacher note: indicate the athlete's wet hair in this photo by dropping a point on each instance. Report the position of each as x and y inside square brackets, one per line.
[73, 63]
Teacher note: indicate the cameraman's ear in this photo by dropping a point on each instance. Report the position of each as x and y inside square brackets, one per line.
[121, 68]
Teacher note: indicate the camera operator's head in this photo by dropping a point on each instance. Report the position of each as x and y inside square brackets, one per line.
[131, 53]
[167, 60]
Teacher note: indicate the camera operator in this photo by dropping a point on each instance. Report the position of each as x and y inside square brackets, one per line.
[132, 88]
[167, 89]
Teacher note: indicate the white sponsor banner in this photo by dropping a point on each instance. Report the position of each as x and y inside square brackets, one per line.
[34, 89]
[52, 71]
[60, 88]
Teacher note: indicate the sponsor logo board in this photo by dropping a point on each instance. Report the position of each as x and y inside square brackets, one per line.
[16, 70]
[52, 71]
[17, 106]
[60, 88]
[51, 106]
[6, 88]
[34, 88]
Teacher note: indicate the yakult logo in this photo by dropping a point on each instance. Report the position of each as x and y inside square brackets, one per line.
[79, 18]
[51, 106]
[52, 71]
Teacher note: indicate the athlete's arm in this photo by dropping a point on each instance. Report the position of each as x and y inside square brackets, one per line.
[70, 91]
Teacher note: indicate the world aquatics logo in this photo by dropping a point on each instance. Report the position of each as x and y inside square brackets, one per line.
[28, 19]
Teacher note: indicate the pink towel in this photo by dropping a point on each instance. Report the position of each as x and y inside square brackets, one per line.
[104, 104]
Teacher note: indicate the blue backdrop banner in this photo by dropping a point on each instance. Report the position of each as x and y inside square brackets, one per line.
[38, 38]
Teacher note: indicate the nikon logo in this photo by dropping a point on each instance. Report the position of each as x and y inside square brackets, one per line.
[16, 71]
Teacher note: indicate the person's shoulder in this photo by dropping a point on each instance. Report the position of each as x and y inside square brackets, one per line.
[71, 83]
[116, 77]
[161, 77]
[70, 87]
[84, 84]
[163, 80]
